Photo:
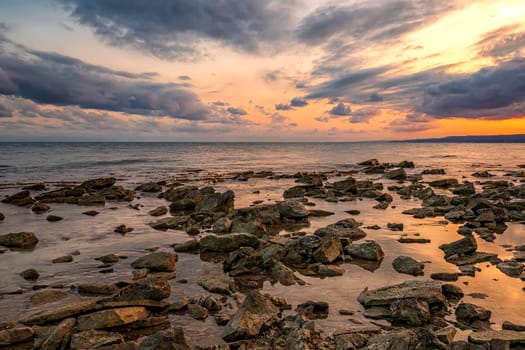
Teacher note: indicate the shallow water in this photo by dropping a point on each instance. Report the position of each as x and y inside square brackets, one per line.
[133, 163]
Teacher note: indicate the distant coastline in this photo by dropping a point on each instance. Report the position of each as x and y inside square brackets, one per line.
[516, 138]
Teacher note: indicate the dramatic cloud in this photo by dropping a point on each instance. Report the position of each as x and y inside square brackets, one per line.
[175, 29]
[236, 111]
[298, 102]
[283, 107]
[50, 78]
[341, 110]
[496, 92]
[412, 123]
[507, 42]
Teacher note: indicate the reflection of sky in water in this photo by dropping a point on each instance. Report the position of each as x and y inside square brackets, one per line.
[93, 236]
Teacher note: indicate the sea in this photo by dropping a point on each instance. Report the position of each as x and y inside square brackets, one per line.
[219, 165]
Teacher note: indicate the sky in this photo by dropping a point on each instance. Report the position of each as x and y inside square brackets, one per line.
[260, 70]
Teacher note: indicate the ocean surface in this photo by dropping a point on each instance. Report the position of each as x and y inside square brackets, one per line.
[201, 164]
[33, 162]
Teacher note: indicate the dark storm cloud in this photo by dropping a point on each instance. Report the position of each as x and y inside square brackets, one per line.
[236, 111]
[298, 102]
[283, 107]
[375, 97]
[49, 78]
[497, 92]
[174, 29]
[338, 87]
[341, 110]
[370, 21]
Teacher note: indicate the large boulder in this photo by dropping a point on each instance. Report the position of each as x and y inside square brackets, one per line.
[329, 250]
[256, 312]
[469, 313]
[428, 291]
[172, 339]
[94, 339]
[369, 250]
[464, 246]
[148, 288]
[408, 265]
[16, 335]
[410, 312]
[19, 240]
[111, 318]
[157, 261]
[292, 210]
[216, 203]
[21, 199]
[227, 243]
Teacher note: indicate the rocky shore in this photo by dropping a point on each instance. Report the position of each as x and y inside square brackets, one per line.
[242, 249]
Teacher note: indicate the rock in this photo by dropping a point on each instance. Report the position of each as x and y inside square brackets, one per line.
[40, 208]
[428, 291]
[396, 174]
[395, 226]
[172, 339]
[47, 296]
[110, 258]
[445, 276]
[94, 339]
[443, 183]
[313, 310]
[319, 213]
[97, 288]
[256, 312]
[148, 288]
[210, 303]
[216, 203]
[30, 274]
[465, 189]
[91, 213]
[322, 270]
[2, 217]
[149, 187]
[62, 259]
[227, 243]
[413, 240]
[408, 265]
[482, 174]
[329, 250]
[159, 211]
[111, 318]
[54, 218]
[410, 312]
[446, 335]
[214, 280]
[347, 185]
[369, 250]
[434, 172]
[243, 261]
[59, 313]
[197, 312]
[20, 199]
[464, 246]
[188, 246]
[513, 337]
[16, 335]
[222, 225]
[98, 184]
[436, 201]
[293, 210]
[369, 162]
[346, 228]
[35, 187]
[123, 229]
[397, 340]
[512, 326]
[295, 192]
[471, 259]
[24, 240]
[60, 336]
[511, 268]
[158, 261]
[91, 200]
[469, 313]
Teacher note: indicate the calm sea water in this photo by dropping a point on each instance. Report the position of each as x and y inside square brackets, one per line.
[30, 162]
[133, 163]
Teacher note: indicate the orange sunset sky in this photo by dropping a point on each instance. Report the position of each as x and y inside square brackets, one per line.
[253, 70]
